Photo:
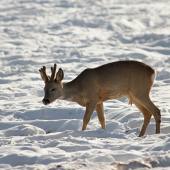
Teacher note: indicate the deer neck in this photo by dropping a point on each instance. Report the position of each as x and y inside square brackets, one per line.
[68, 92]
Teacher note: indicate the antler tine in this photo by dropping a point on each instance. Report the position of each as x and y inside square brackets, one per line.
[53, 72]
[43, 74]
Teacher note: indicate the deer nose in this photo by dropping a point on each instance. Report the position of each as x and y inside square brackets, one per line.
[45, 101]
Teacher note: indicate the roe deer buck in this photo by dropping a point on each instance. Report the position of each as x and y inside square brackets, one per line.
[92, 87]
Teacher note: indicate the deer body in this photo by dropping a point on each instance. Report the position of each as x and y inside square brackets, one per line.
[110, 81]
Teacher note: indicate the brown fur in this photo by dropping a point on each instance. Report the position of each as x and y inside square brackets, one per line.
[92, 87]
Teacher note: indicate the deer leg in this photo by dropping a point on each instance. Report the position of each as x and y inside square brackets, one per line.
[89, 111]
[100, 113]
[155, 111]
[148, 104]
[147, 116]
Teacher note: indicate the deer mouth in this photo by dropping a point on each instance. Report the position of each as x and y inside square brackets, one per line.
[45, 101]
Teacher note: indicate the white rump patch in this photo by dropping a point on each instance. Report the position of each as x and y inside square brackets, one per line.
[153, 77]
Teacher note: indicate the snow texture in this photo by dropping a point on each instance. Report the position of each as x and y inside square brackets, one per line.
[78, 35]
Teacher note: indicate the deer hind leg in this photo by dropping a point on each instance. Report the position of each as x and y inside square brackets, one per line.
[145, 101]
[89, 111]
[101, 116]
[147, 116]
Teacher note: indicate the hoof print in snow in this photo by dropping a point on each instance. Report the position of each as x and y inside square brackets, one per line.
[48, 132]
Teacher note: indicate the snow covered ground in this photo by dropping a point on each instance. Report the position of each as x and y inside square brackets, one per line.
[76, 35]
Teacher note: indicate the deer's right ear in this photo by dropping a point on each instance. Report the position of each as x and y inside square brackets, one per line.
[60, 75]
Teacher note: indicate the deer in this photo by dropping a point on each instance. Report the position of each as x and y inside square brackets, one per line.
[93, 86]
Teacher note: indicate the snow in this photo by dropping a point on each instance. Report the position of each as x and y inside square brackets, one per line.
[78, 35]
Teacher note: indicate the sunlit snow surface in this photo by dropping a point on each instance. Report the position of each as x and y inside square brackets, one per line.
[79, 34]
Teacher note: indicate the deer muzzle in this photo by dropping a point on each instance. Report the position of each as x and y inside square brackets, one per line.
[45, 101]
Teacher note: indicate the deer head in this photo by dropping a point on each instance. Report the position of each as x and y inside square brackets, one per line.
[53, 85]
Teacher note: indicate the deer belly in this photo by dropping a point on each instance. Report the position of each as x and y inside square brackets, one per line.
[107, 95]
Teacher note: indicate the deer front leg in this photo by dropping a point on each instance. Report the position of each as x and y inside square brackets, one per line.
[100, 113]
[89, 111]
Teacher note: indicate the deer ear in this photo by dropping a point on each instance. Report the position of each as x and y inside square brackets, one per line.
[60, 75]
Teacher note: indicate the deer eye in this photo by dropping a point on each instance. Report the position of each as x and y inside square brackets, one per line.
[53, 89]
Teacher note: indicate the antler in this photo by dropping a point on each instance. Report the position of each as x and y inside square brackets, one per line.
[53, 72]
[43, 74]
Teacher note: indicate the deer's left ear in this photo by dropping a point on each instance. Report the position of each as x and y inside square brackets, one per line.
[60, 75]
